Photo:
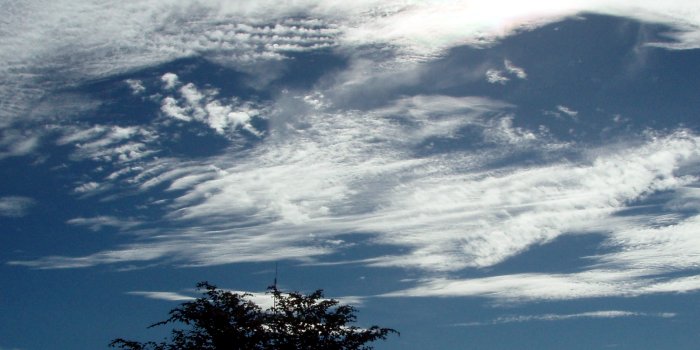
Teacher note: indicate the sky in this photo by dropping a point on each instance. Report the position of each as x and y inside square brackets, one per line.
[475, 174]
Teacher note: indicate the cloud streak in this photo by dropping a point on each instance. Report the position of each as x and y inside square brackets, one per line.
[532, 287]
[607, 314]
[568, 111]
[99, 222]
[167, 296]
[262, 299]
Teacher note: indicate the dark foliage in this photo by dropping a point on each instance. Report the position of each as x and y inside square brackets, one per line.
[225, 320]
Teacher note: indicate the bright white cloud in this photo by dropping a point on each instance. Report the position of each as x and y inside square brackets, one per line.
[15, 206]
[223, 116]
[170, 80]
[171, 108]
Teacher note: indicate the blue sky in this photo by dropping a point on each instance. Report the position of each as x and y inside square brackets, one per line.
[500, 175]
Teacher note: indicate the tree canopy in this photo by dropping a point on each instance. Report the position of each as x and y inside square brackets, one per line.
[222, 319]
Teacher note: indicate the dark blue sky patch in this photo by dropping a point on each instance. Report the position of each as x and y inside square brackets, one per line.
[572, 252]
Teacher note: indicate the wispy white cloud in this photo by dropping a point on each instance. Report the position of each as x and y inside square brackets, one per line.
[309, 183]
[428, 116]
[659, 246]
[518, 288]
[167, 296]
[262, 299]
[515, 70]
[533, 286]
[195, 247]
[324, 173]
[266, 301]
[485, 218]
[645, 256]
[561, 115]
[99, 222]
[632, 270]
[568, 111]
[495, 76]
[296, 182]
[74, 135]
[14, 143]
[565, 317]
[87, 187]
[502, 131]
[15, 206]
[120, 144]
[136, 86]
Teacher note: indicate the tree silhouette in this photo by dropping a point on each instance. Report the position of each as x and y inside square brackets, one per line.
[225, 320]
